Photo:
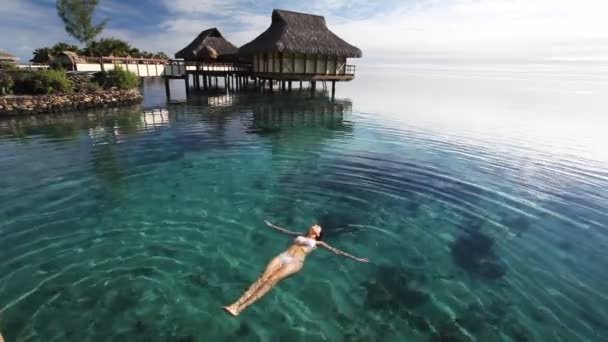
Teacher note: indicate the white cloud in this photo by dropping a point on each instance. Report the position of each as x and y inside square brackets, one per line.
[512, 28]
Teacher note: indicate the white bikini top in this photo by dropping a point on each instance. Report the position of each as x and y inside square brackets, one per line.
[307, 242]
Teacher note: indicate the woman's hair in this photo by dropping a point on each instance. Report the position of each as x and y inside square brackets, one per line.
[317, 231]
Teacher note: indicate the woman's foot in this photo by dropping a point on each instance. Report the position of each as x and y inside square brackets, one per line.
[232, 310]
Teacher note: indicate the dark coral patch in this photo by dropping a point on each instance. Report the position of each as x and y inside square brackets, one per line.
[394, 289]
[474, 252]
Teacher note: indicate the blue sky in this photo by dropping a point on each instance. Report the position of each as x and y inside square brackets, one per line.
[388, 30]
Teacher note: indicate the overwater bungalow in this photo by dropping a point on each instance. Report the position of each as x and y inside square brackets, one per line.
[209, 46]
[296, 47]
[299, 46]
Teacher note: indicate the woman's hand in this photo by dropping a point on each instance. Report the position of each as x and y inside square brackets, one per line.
[339, 252]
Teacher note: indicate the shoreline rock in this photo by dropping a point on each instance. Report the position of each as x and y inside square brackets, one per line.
[44, 104]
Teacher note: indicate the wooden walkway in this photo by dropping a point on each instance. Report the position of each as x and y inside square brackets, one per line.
[241, 77]
[206, 76]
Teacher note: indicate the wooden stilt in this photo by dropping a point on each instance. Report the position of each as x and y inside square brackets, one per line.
[289, 84]
[300, 85]
[333, 90]
[187, 81]
[205, 82]
[167, 88]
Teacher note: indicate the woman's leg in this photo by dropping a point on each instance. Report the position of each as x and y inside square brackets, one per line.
[274, 265]
[281, 274]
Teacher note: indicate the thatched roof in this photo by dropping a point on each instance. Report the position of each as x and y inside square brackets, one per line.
[72, 57]
[295, 32]
[5, 56]
[210, 44]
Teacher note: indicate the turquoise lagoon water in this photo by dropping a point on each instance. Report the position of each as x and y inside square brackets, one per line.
[478, 194]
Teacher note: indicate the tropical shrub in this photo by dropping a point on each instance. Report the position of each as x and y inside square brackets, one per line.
[84, 83]
[43, 82]
[118, 77]
[6, 79]
[8, 66]
[6, 83]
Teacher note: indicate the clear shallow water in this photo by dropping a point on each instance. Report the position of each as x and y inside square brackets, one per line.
[481, 203]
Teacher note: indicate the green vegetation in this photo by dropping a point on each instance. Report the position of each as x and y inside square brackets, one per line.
[45, 55]
[117, 77]
[6, 83]
[8, 66]
[102, 47]
[6, 78]
[109, 47]
[118, 48]
[43, 82]
[77, 15]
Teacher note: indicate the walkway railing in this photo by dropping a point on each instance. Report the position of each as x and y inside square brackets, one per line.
[123, 60]
[179, 67]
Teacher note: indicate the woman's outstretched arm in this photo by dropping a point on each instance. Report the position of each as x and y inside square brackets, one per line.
[339, 252]
[281, 229]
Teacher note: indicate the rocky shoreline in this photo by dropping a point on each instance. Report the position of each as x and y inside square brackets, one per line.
[37, 104]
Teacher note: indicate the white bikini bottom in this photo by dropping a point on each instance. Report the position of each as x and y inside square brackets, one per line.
[287, 259]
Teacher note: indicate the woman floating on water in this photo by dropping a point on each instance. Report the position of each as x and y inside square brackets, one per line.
[284, 265]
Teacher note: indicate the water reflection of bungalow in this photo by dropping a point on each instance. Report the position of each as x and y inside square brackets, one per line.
[298, 111]
[216, 102]
[156, 118]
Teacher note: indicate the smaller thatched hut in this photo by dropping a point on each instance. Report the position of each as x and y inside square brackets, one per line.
[300, 46]
[209, 46]
[7, 57]
[67, 60]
